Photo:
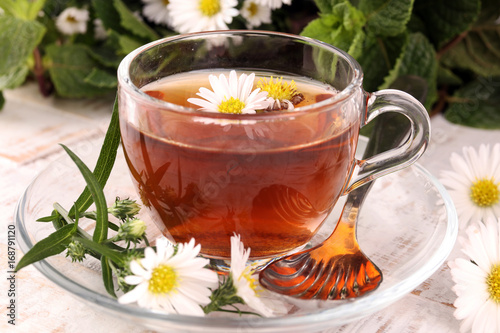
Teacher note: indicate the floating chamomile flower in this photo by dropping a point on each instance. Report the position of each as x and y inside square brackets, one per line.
[273, 4]
[255, 14]
[231, 96]
[174, 283]
[246, 286]
[281, 95]
[202, 15]
[72, 21]
[157, 11]
[474, 183]
[477, 279]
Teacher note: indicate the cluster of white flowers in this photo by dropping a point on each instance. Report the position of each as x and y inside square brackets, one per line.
[185, 16]
[474, 185]
[177, 280]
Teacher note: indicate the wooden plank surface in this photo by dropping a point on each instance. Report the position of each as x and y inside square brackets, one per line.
[31, 128]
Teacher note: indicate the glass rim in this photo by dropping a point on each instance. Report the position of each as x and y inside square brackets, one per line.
[125, 82]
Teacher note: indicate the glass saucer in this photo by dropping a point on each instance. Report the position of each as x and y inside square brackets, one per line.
[407, 227]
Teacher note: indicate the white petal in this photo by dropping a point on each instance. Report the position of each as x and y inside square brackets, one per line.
[135, 294]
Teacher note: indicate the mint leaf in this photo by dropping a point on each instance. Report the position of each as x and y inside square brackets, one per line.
[106, 11]
[54, 244]
[378, 56]
[14, 78]
[476, 104]
[326, 6]
[18, 39]
[446, 19]
[101, 78]
[418, 58]
[2, 100]
[386, 17]
[132, 23]
[23, 9]
[479, 51]
[341, 28]
[68, 66]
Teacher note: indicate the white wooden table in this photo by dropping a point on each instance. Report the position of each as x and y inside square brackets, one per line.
[31, 128]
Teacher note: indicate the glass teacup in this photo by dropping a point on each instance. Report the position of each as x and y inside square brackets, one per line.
[273, 176]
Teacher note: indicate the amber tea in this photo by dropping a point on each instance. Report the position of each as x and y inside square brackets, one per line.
[274, 183]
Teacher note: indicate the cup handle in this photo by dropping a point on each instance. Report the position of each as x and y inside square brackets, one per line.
[407, 153]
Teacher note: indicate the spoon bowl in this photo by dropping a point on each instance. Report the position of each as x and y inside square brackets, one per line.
[335, 269]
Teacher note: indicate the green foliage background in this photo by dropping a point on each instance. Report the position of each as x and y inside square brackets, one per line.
[451, 45]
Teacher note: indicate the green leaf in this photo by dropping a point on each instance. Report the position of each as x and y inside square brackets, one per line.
[341, 28]
[101, 78]
[479, 51]
[115, 256]
[68, 67]
[132, 23]
[476, 104]
[446, 19]
[23, 9]
[418, 58]
[14, 78]
[379, 55]
[326, 6]
[447, 77]
[107, 276]
[106, 11]
[105, 161]
[101, 226]
[54, 244]
[65, 215]
[386, 17]
[18, 39]
[2, 100]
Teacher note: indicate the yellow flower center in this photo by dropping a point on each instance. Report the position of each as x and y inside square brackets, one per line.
[485, 193]
[278, 89]
[163, 280]
[209, 7]
[252, 9]
[71, 19]
[493, 283]
[232, 105]
[252, 282]
[165, 2]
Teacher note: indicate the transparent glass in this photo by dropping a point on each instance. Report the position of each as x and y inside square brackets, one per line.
[407, 226]
[272, 178]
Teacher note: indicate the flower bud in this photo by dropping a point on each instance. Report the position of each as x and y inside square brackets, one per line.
[124, 208]
[132, 230]
[76, 251]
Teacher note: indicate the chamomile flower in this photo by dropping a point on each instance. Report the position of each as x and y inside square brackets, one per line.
[255, 14]
[202, 15]
[273, 4]
[474, 183]
[72, 21]
[281, 95]
[246, 286]
[231, 96]
[477, 278]
[157, 11]
[174, 283]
